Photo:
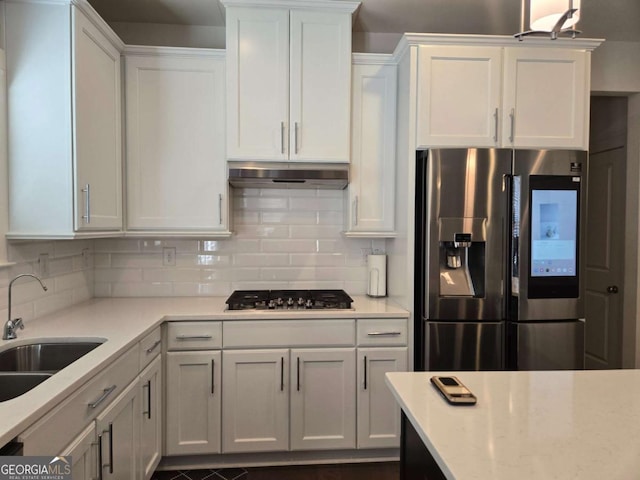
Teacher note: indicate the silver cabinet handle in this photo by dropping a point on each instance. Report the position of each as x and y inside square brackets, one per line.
[384, 334]
[105, 393]
[355, 211]
[194, 337]
[297, 374]
[220, 207]
[295, 137]
[154, 346]
[495, 125]
[110, 464]
[282, 137]
[87, 203]
[512, 117]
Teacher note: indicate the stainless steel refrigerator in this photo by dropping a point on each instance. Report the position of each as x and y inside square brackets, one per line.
[500, 259]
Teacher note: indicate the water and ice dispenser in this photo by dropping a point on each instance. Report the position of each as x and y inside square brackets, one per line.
[462, 257]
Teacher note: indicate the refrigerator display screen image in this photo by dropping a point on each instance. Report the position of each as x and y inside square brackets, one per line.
[553, 266]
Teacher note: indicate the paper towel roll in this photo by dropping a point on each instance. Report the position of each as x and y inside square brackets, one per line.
[377, 272]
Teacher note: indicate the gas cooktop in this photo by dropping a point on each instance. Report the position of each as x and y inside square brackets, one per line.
[289, 300]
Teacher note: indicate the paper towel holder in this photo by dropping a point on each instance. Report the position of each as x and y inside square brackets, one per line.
[377, 275]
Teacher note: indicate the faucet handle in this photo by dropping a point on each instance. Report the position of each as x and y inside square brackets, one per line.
[18, 323]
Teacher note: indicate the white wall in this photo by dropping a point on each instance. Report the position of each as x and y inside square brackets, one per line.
[69, 281]
[158, 34]
[284, 239]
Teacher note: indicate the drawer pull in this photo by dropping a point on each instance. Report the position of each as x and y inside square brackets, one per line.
[194, 337]
[105, 393]
[154, 346]
[384, 334]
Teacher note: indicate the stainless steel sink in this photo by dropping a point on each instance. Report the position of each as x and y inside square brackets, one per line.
[14, 384]
[43, 357]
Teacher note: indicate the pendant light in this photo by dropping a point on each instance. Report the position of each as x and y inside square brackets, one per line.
[552, 18]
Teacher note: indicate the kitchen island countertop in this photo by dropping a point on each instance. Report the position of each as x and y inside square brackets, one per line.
[529, 425]
[120, 323]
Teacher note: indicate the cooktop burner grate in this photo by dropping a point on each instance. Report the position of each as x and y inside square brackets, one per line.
[289, 300]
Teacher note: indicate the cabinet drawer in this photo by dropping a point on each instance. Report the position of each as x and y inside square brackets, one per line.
[65, 421]
[382, 332]
[194, 335]
[150, 346]
[289, 333]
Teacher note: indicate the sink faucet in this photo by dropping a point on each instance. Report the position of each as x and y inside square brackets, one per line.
[11, 325]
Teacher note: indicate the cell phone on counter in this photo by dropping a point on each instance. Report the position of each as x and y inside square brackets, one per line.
[453, 390]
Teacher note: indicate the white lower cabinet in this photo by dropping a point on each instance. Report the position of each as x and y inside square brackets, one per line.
[378, 412]
[118, 429]
[281, 399]
[150, 391]
[193, 402]
[83, 454]
[323, 406]
[255, 400]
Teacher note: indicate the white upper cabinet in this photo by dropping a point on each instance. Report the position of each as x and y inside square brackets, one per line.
[97, 128]
[546, 98]
[64, 113]
[176, 166]
[494, 92]
[288, 80]
[369, 209]
[459, 96]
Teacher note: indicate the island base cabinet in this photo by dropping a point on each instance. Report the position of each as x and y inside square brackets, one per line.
[150, 390]
[192, 414]
[118, 430]
[323, 409]
[255, 401]
[378, 412]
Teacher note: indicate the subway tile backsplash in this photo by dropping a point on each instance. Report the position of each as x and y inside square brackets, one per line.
[283, 239]
[68, 276]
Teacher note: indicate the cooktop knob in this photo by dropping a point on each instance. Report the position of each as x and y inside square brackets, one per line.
[271, 304]
[290, 302]
[308, 304]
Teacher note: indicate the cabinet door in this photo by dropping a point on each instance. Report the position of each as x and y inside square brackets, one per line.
[192, 422]
[151, 418]
[97, 128]
[320, 86]
[257, 83]
[83, 454]
[378, 412]
[323, 408]
[118, 429]
[256, 400]
[546, 98]
[458, 96]
[373, 134]
[176, 165]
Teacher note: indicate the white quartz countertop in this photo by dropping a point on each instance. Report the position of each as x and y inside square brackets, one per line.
[529, 425]
[121, 322]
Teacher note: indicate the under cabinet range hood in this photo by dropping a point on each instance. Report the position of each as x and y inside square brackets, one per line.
[284, 175]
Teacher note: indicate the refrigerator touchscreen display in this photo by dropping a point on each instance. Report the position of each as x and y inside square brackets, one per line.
[554, 215]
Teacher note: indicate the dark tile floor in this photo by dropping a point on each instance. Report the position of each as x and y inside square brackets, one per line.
[354, 471]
